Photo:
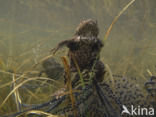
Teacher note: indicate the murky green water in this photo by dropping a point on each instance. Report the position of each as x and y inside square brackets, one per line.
[30, 28]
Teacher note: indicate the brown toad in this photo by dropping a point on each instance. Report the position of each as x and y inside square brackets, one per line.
[84, 48]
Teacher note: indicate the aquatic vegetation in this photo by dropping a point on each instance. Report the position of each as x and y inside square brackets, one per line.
[29, 29]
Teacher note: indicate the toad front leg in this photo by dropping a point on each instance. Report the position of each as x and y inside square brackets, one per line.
[70, 43]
